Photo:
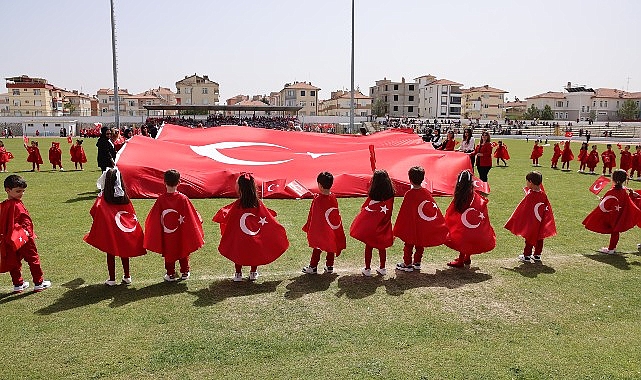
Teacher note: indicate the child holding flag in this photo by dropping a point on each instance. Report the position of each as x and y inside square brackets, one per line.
[636, 163]
[566, 157]
[4, 157]
[173, 228]
[555, 156]
[533, 218]
[34, 155]
[593, 159]
[501, 153]
[115, 229]
[609, 159]
[468, 222]
[250, 235]
[537, 152]
[55, 155]
[324, 233]
[78, 156]
[419, 223]
[583, 157]
[373, 224]
[626, 159]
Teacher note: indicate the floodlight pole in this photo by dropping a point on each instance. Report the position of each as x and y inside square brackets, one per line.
[351, 103]
[115, 67]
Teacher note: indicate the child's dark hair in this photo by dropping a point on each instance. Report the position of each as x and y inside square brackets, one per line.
[535, 177]
[78, 142]
[381, 187]
[326, 180]
[13, 181]
[34, 142]
[609, 146]
[112, 175]
[416, 175]
[619, 176]
[247, 191]
[172, 177]
[464, 191]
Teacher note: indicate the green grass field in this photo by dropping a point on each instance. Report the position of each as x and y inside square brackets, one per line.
[576, 316]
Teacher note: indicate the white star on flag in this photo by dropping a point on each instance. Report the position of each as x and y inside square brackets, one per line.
[384, 209]
[262, 221]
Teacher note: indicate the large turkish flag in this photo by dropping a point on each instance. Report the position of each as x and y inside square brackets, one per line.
[209, 160]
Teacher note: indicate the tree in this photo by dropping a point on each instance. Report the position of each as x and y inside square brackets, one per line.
[547, 113]
[532, 113]
[593, 116]
[379, 108]
[629, 110]
[70, 107]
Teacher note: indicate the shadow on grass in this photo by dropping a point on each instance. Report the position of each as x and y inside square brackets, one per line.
[450, 278]
[79, 296]
[618, 261]
[8, 297]
[306, 284]
[220, 290]
[86, 196]
[531, 270]
[356, 286]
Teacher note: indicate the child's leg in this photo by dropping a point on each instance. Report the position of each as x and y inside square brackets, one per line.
[170, 267]
[239, 268]
[184, 265]
[329, 260]
[30, 254]
[254, 268]
[504, 162]
[382, 255]
[111, 267]
[16, 275]
[527, 250]
[538, 248]
[368, 256]
[614, 240]
[407, 254]
[497, 161]
[125, 267]
[38, 167]
[418, 256]
[33, 166]
[316, 254]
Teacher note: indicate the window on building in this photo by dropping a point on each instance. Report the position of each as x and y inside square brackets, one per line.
[312, 93]
[302, 104]
[36, 91]
[37, 103]
[443, 89]
[104, 110]
[385, 97]
[16, 103]
[15, 91]
[132, 103]
[395, 108]
[205, 91]
[410, 98]
[443, 110]
[290, 93]
[188, 90]
[559, 104]
[410, 87]
[605, 103]
[430, 90]
[302, 92]
[566, 115]
[430, 100]
[385, 87]
[410, 109]
[582, 108]
[178, 92]
[600, 103]
[443, 99]
[395, 87]
[396, 98]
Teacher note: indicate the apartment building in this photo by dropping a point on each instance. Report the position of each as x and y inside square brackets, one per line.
[76, 103]
[606, 103]
[107, 104]
[4, 104]
[301, 94]
[399, 99]
[438, 98]
[197, 90]
[339, 104]
[484, 102]
[33, 97]
[515, 110]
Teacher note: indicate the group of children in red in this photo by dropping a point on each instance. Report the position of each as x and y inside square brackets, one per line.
[77, 152]
[589, 159]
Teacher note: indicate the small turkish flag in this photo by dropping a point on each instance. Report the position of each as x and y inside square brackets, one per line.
[69, 140]
[569, 134]
[25, 139]
[599, 184]
[18, 237]
[273, 187]
[494, 144]
[480, 186]
[297, 189]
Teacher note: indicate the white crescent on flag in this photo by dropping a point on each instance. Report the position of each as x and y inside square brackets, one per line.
[602, 203]
[537, 215]
[422, 215]
[327, 213]
[162, 220]
[466, 223]
[122, 227]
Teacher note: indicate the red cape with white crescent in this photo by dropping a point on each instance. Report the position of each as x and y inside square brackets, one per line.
[470, 232]
[250, 236]
[324, 225]
[615, 213]
[373, 224]
[115, 229]
[533, 218]
[420, 221]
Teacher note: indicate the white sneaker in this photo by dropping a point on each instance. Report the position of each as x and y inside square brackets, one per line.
[381, 271]
[253, 276]
[110, 283]
[238, 277]
[185, 276]
[309, 270]
[126, 280]
[405, 268]
[639, 247]
[20, 288]
[417, 266]
[524, 259]
[329, 270]
[366, 272]
[171, 278]
[43, 285]
[607, 251]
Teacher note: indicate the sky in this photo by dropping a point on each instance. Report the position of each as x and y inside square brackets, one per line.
[254, 47]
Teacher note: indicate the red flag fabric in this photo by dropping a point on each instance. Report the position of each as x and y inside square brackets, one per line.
[69, 139]
[372, 157]
[324, 225]
[296, 189]
[208, 158]
[34, 155]
[11, 212]
[19, 237]
[10, 155]
[501, 152]
[567, 154]
[569, 134]
[470, 232]
[599, 184]
[537, 151]
[274, 189]
[250, 236]
[480, 186]
[373, 224]
[420, 221]
[173, 227]
[615, 213]
[115, 229]
[494, 144]
[533, 218]
[55, 154]
[25, 139]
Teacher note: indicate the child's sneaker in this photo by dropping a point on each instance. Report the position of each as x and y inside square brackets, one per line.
[185, 276]
[366, 272]
[253, 276]
[525, 259]
[537, 258]
[309, 270]
[329, 270]
[456, 264]
[467, 263]
[126, 280]
[110, 283]
[21, 288]
[607, 251]
[381, 271]
[405, 268]
[42, 286]
[417, 266]
[170, 278]
[639, 247]
[238, 277]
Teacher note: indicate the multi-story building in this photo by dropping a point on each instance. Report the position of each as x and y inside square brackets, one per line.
[300, 94]
[4, 104]
[236, 99]
[438, 98]
[107, 104]
[606, 102]
[399, 99]
[556, 101]
[484, 102]
[196, 90]
[33, 97]
[339, 104]
[76, 103]
[135, 104]
[515, 110]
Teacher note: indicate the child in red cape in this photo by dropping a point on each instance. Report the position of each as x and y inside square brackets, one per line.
[4, 157]
[419, 223]
[636, 163]
[78, 156]
[174, 228]
[501, 153]
[468, 222]
[566, 157]
[533, 218]
[250, 235]
[324, 227]
[609, 159]
[555, 156]
[115, 229]
[373, 224]
[626, 159]
[583, 157]
[34, 156]
[17, 243]
[593, 159]
[615, 213]
[55, 155]
[537, 152]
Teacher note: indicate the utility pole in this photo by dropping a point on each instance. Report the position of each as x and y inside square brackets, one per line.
[115, 67]
[351, 103]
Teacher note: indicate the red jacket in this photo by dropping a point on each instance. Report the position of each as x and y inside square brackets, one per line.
[486, 158]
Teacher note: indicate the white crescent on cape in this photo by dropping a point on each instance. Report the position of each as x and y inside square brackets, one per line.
[422, 215]
[119, 222]
[464, 219]
[212, 151]
[327, 212]
[536, 211]
[602, 204]
[371, 203]
[598, 186]
[269, 188]
[243, 226]
[162, 220]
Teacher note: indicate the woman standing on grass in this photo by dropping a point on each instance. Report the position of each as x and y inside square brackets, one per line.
[468, 144]
[483, 155]
[106, 151]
